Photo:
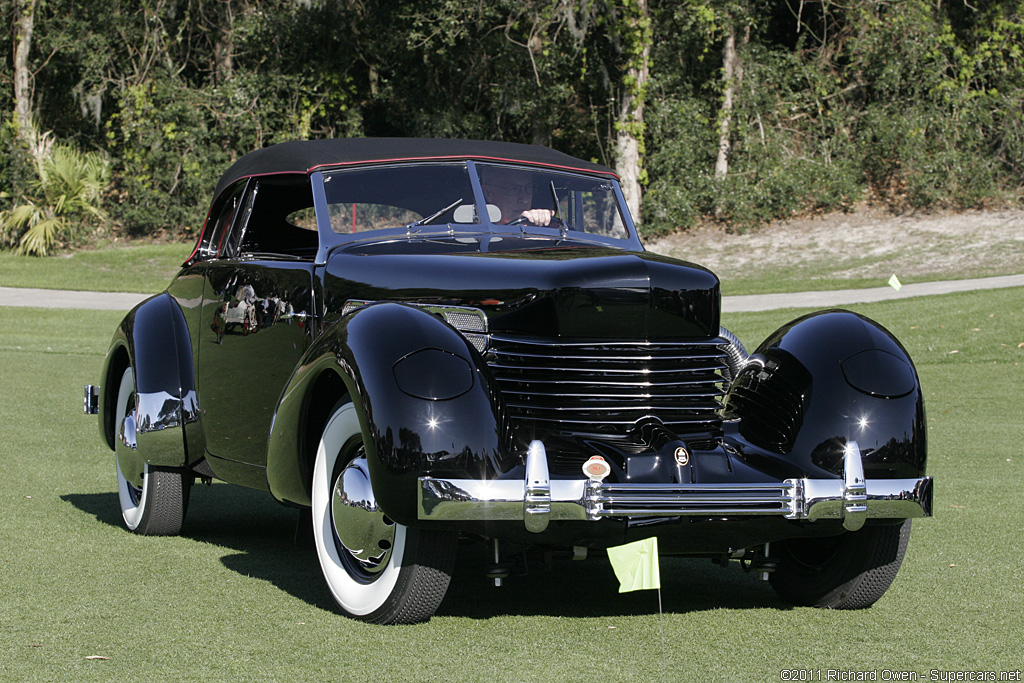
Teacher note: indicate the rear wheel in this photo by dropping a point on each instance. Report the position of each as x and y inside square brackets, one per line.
[849, 571]
[377, 570]
[157, 507]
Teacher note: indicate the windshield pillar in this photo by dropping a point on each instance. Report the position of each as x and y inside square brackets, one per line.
[323, 218]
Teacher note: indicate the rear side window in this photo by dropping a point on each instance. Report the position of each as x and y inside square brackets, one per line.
[221, 219]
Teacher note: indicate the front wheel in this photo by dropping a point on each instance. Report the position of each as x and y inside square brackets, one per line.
[377, 570]
[849, 571]
[157, 508]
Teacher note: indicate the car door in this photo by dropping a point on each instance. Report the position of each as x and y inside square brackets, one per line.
[257, 315]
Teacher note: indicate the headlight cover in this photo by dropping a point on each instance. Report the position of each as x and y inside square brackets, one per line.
[434, 375]
[879, 373]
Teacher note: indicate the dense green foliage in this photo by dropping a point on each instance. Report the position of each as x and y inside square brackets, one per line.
[912, 103]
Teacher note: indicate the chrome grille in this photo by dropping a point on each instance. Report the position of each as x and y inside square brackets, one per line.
[464, 319]
[606, 387]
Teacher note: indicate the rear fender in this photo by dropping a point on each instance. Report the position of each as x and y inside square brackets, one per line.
[821, 382]
[424, 399]
[154, 340]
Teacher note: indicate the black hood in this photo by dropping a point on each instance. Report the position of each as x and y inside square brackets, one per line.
[553, 289]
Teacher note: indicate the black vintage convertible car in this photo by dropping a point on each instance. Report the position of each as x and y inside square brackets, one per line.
[422, 340]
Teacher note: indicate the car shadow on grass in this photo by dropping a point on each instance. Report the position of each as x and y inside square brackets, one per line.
[256, 535]
[589, 588]
[103, 506]
[265, 542]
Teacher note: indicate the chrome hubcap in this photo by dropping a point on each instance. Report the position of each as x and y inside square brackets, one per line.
[365, 532]
[125, 450]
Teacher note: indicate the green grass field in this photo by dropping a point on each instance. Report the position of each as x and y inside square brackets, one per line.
[235, 599]
[142, 268]
[780, 275]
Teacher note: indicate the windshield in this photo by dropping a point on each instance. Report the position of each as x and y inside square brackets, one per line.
[414, 197]
[397, 196]
[520, 196]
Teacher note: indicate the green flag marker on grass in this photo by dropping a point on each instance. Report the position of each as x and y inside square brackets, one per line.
[636, 565]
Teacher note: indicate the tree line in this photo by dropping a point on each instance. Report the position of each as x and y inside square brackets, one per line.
[121, 115]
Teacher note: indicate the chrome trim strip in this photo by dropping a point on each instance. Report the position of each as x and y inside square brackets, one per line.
[668, 422]
[637, 396]
[604, 382]
[604, 357]
[605, 369]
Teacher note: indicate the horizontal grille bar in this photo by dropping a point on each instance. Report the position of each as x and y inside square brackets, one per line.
[619, 365]
[672, 499]
[609, 357]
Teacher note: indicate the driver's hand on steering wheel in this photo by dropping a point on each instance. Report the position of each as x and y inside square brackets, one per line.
[538, 216]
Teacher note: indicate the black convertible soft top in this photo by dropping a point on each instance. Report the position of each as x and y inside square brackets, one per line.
[304, 156]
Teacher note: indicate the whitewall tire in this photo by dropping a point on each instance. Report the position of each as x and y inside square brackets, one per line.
[377, 570]
[158, 507]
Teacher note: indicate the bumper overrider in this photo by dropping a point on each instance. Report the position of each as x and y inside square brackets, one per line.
[536, 500]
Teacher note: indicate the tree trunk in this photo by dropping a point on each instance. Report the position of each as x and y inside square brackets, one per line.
[729, 68]
[629, 128]
[627, 159]
[224, 50]
[732, 67]
[541, 127]
[25, 22]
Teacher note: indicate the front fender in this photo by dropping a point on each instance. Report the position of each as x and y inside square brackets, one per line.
[820, 382]
[154, 340]
[424, 399]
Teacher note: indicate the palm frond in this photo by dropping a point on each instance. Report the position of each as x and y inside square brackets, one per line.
[66, 194]
[21, 217]
[39, 238]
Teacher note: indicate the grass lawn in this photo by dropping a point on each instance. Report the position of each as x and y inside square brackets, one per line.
[235, 599]
[785, 279]
[146, 268]
[778, 275]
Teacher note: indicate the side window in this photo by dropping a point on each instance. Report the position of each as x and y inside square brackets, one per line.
[217, 232]
[277, 219]
[231, 245]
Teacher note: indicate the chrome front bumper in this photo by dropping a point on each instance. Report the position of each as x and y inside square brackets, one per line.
[537, 499]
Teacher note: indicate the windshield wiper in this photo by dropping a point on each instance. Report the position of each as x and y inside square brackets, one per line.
[558, 210]
[423, 221]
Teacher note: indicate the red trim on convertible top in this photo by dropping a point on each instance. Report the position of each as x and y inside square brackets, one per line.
[461, 157]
